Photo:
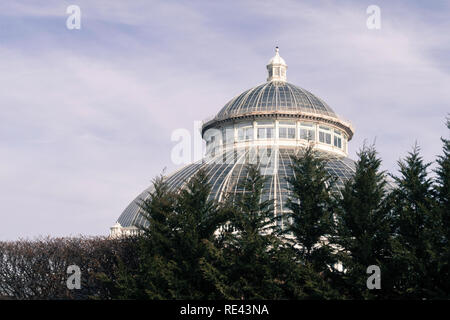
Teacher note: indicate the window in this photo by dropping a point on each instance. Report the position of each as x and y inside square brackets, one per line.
[337, 142]
[240, 134]
[228, 135]
[248, 133]
[307, 134]
[261, 133]
[324, 134]
[286, 133]
[291, 133]
[212, 145]
[245, 133]
[325, 137]
[265, 129]
[307, 131]
[265, 133]
[328, 138]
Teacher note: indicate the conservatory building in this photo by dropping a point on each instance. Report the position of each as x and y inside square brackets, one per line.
[266, 125]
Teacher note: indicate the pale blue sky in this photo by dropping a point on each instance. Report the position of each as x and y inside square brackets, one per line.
[86, 115]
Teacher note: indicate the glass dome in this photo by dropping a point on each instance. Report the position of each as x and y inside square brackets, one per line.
[224, 177]
[266, 126]
[275, 96]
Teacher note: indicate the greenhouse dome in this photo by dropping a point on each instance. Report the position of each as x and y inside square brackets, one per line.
[266, 125]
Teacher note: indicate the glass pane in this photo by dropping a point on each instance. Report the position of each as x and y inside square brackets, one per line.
[261, 133]
[291, 133]
[337, 142]
[240, 134]
[321, 136]
[248, 133]
[312, 135]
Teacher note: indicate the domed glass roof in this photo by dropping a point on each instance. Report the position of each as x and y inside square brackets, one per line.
[224, 177]
[275, 97]
[228, 166]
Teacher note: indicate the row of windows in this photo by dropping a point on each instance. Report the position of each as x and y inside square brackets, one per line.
[286, 130]
[289, 133]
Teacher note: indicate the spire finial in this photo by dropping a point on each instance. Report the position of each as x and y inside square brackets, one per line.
[277, 67]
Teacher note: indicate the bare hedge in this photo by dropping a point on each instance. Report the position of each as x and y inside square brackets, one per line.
[37, 269]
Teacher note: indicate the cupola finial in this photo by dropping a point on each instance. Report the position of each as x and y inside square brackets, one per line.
[277, 67]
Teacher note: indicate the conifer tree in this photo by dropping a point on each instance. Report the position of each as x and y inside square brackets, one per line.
[153, 277]
[177, 247]
[363, 227]
[311, 208]
[299, 280]
[442, 208]
[197, 221]
[415, 222]
[252, 246]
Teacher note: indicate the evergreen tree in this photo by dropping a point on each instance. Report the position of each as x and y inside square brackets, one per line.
[198, 220]
[363, 227]
[153, 277]
[300, 280]
[414, 253]
[443, 183]
[177, 251]
[442, 208]
[252, 247]
[311, 208]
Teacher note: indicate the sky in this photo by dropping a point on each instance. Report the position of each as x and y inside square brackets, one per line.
[87, 114]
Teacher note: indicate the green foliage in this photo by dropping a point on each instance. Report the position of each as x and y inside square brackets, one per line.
[311, 208]
[363, 226]
[176, 250]
[414, 255]
[442, 211]
[260, 264]
[251, 247]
